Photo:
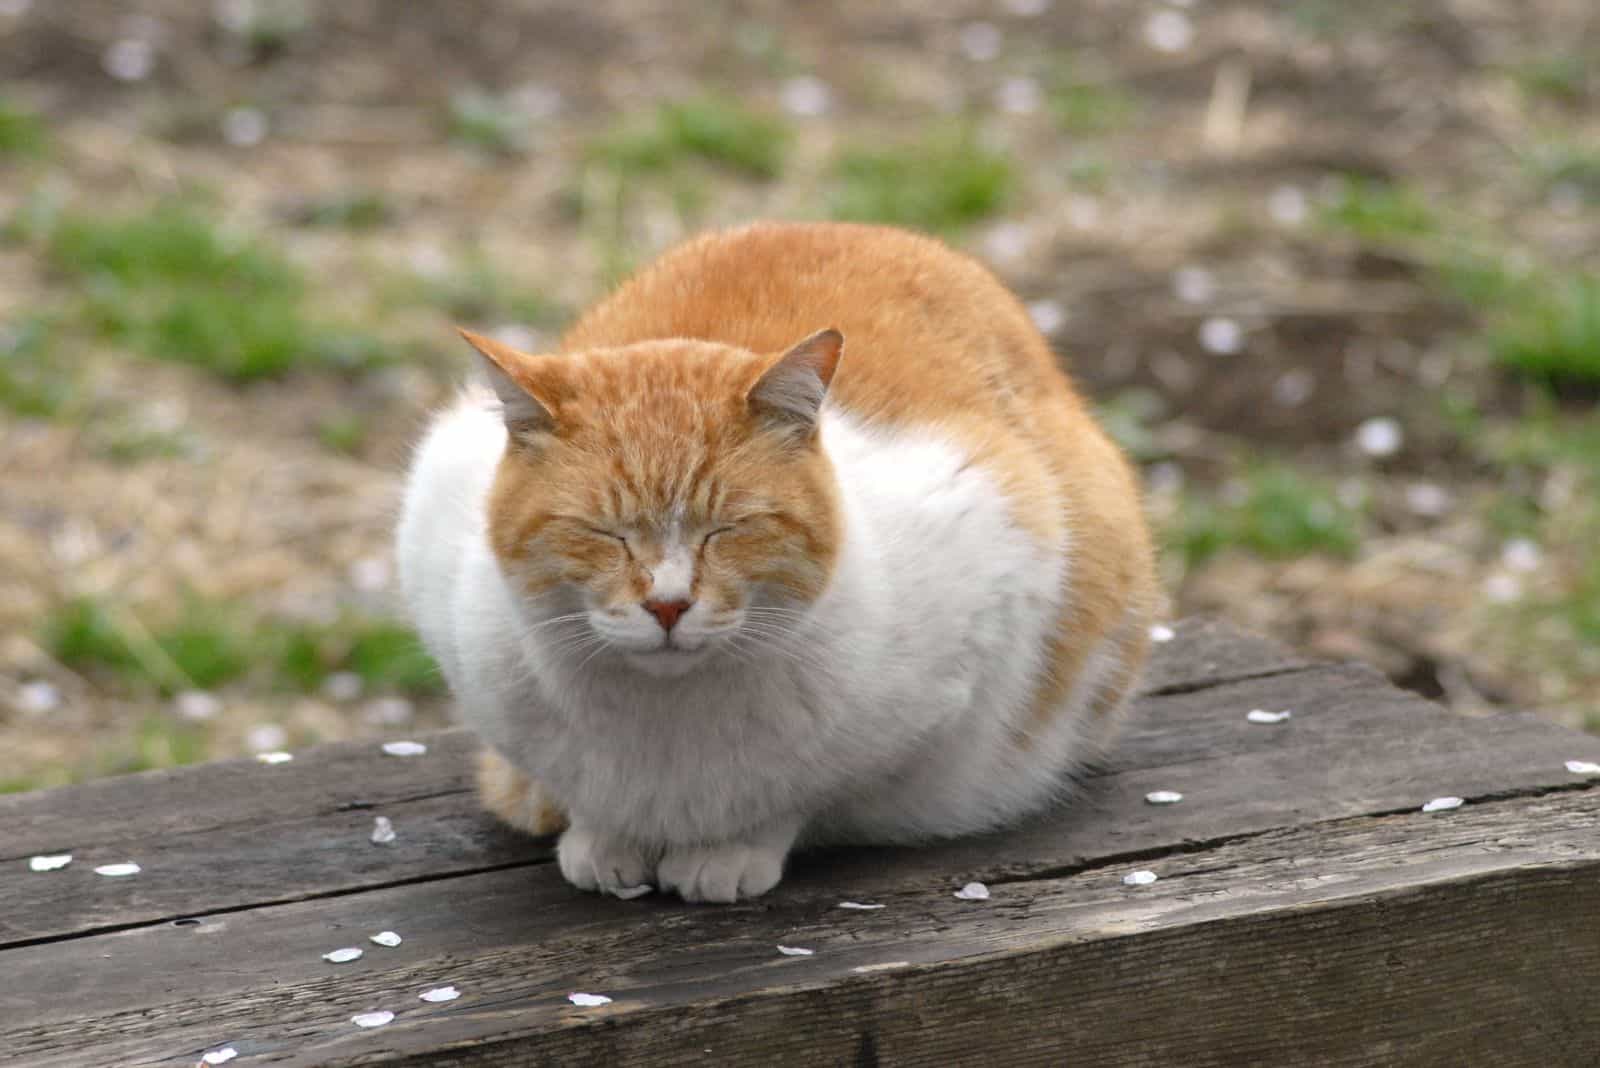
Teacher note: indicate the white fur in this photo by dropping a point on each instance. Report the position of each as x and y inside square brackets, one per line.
[892, 715]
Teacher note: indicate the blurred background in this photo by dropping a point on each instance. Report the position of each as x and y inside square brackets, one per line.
[1330, 269]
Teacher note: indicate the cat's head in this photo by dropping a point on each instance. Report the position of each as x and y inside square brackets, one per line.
[667, 499]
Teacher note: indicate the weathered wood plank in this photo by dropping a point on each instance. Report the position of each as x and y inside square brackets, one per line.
[1402, 939]
[1355, 746]
[335, 777]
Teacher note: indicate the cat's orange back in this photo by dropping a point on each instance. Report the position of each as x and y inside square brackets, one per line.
[932, 341]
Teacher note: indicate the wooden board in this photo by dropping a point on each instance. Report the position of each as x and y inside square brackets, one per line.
[1307, 912]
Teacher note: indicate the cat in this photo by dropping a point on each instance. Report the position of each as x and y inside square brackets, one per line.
[800, 536]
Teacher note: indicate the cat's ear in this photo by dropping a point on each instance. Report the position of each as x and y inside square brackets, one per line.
[790, 392]
[509, 373]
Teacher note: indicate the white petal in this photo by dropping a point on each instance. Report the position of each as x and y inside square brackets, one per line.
[440, 993]
[795, 951]
[277, 756]
[61, 860]
[372, 1019]
[342, 956]
[382, 830]
[588, 1001]
[1139, 878]
[386, 938]
[1577, 767]
[857, 905]
[973, 892]
[117, 870]
[404, 749]
[219, 1056]
[1162, 633]
[1260, 715]
[1163, 797]
[885, 966]
[1442, 804]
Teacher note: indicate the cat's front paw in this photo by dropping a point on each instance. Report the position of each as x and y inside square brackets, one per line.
[734, 871]
[601, 862]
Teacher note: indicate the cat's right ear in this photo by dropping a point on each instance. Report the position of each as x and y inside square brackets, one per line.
[508, 373]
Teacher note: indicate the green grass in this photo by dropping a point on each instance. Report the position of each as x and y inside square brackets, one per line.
[477, 292]
[488, 123]
[22, 133]
[1080, 106]
[32, 383]
[170, 284]
[1378, 210]
[207, 645]
[1540, 323]
[1281, 513]
[940, 183]
[1576, 166]
[712, 129]
[1562, 78]
[359, 209]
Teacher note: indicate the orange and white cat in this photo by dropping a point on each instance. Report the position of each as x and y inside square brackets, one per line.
[800, 536]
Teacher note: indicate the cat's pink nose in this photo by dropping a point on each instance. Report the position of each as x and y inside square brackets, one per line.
[666, 612]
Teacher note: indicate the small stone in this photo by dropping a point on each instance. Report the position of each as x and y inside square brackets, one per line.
[117, 871]
[389, 711]
[973, 892]
[857, 905]
[1583, 767]
[1048, 315]
[1293, 388]
[382, 830]
[1287, 205]
[129, 60]
[1502, 588]
[1006, 243]
[1261, 715]
[404, 749]
[343, 956]
[197, 705]
[219, 1056]
[54, 862]
[265, 737]
[588, 1001]
[795, 951]
[1221, 337]
[1428, 499]
[1194, 285]
[628, 893]
[1168, 31]
[1019, 96]
[1139, 878]
[371, 574]
[1443, 804]
[372, 1019]
[1380, 437]
[440, 993]
[387, 939]
[275, 756]
[806, 96]
[38, 696]
[244, 127]
[1162, 633]
[342, 686]
[980, 41]
[1521, 554]
[1163, 797]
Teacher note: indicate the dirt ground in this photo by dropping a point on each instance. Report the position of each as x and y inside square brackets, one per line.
[1175, 170]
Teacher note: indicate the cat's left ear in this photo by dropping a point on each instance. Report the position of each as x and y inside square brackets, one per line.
[509, 373]
[790, 392]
